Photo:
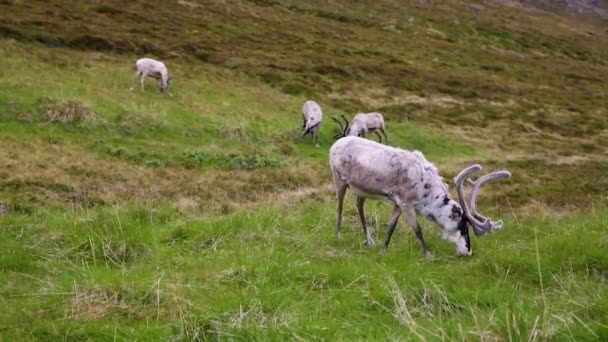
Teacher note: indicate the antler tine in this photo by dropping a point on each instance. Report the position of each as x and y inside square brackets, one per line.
[338, 135]
[491, 225]
[344, 118]
[338, 122]
[481, 224]
[346, 124]
[480, 181]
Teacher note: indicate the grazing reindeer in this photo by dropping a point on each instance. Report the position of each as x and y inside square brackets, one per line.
[411, 183]
[155, 69]
[312, 115]
[362, 124]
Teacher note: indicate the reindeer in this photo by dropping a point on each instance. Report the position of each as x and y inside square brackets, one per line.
[312, 115]
[155, 69]
[362, 124]
[411, 183]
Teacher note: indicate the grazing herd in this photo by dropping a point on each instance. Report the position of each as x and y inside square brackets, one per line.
[376, 171]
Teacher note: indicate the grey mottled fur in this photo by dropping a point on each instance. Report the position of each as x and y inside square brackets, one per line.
[363, 123]
[312, 116]
[407, 179]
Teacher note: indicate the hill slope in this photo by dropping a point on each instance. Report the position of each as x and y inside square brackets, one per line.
[578, 7]
[135, 215]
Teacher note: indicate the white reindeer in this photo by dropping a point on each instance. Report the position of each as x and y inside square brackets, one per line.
[312, 115]
[155, 69]
[361, 124]
[411, 183]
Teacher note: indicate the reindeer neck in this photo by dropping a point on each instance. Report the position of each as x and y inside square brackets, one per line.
[432, 193]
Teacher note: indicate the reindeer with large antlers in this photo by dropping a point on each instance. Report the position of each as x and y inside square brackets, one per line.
[411, 183]
[362, 124]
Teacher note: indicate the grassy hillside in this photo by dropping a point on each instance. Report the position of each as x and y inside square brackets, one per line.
[134, 215]
[588, 8]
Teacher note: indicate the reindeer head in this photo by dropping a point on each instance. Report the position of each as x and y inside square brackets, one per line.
[164, 83]
[466, 213]
[343, 128]
[449, 216]
[358, 127]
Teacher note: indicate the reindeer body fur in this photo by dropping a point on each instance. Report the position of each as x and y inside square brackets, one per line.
[407, 179]
[148, 67]
[312, 115]
[363, 123]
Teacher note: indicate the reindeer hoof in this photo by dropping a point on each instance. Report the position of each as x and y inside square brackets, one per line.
[428, 254]
[339, 235]
[370, 242]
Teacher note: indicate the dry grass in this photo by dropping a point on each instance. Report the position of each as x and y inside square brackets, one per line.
[62, 174]
[73, 111]
[94, 304]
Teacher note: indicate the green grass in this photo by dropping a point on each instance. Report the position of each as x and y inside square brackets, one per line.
[205, 216]
[281, 273]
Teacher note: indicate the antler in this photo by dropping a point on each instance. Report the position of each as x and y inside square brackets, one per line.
[343, 128]
[345, 124]
[461, 198]
[477, 184]
[339, 135]
[481, 224]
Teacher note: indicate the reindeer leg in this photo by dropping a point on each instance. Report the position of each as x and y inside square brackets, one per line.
[134, 81]
[340, 192]
[368, 238]
[411, 219]
[304, 132]
[385, 138]
[379, 136]
[316, 136]
[391, 227]
[143, 80]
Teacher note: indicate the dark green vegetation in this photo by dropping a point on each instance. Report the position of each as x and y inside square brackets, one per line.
[205, 216]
